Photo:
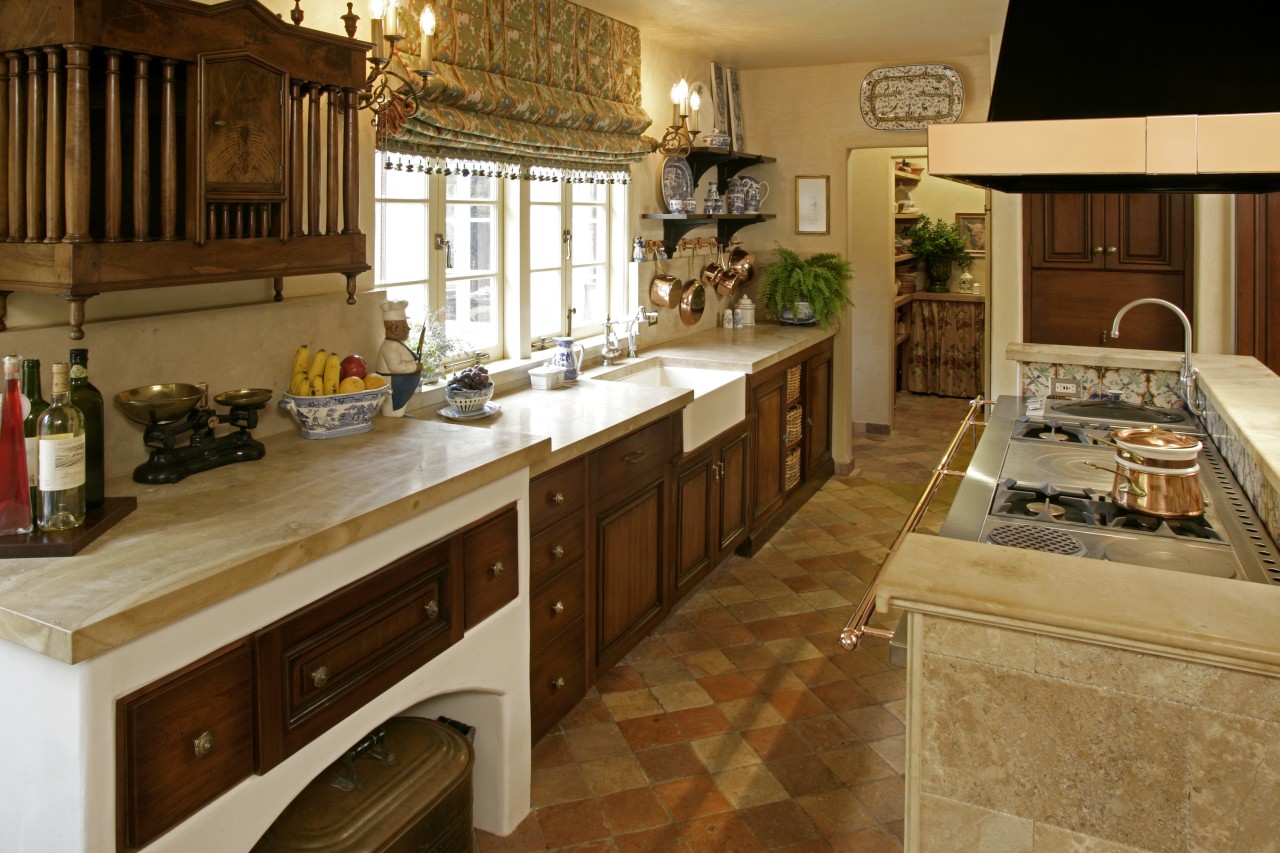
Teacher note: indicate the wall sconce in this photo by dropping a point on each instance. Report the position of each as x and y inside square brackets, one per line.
[678, 140]
[392, 96]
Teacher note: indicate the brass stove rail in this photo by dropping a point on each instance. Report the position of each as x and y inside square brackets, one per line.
[857, 626]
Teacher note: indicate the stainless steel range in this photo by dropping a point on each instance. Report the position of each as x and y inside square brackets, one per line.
[1029, 486]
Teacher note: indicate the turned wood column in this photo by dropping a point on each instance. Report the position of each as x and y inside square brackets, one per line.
[78, 152]
[141, 149]
[168, 150]
[332, 95]
[35, 147]
[351, 164]
[17, 151]
[113, 168]
[4, 149]
[54, 221]
[313, 158]
[295, 161]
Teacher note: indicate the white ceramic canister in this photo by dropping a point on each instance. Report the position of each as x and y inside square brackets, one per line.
[748, 310]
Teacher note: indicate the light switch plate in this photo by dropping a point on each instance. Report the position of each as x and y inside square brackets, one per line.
[1068, 388]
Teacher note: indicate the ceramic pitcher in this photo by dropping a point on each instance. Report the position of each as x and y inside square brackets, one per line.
[754, 192]
[569, 356]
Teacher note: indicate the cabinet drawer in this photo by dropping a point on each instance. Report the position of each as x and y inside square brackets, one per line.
[321, 663]
[554, 548]
[557, 678]
[556, 495]
[631, 459]
[555, 605]
[183, 741]
[490, 566]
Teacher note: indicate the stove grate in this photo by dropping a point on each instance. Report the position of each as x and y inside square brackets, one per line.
[1037, 539]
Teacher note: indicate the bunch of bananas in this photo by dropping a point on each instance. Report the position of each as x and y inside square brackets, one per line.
[314, 376]
[320, 375]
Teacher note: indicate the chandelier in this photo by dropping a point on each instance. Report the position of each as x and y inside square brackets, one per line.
[392, 88]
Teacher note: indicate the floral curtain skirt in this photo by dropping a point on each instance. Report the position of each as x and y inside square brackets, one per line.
[947, 342]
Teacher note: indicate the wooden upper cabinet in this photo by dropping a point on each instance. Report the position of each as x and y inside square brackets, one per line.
[1134, 232]
[242, 123]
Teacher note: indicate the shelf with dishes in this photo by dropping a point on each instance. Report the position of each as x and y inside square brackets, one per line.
[902, 257]
[905, 176]
[727, 163]
[676, 225]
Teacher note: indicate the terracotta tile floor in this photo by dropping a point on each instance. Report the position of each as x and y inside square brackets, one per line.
[740, 724]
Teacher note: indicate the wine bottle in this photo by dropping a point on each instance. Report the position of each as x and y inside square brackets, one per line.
[88, 400]
[61, 434]
[37, 404]
[15, 494]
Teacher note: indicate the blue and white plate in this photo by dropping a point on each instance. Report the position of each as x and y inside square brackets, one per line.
[677, 180]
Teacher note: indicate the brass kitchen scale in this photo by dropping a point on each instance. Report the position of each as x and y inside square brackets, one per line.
[170, 411]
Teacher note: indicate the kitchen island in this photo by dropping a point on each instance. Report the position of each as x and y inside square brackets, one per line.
[1062, 703]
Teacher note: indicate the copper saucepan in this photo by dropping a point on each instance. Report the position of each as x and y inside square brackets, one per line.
[1157, 472]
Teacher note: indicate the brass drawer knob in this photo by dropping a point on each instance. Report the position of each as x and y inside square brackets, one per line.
[203, 744]
[557, 608]
[557, 497]
[557, 551]
[433, 609]
[497, 569]
[320, 677]
[557, 683]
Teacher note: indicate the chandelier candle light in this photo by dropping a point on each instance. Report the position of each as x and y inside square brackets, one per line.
[392, 93]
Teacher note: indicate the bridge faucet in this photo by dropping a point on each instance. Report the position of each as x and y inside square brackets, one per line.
[633, 330]
[611, 348]
[1187, 375]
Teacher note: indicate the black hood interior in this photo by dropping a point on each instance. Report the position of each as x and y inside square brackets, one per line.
[1133, 58]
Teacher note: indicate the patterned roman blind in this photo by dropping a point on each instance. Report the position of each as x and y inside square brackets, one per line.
[533, 82]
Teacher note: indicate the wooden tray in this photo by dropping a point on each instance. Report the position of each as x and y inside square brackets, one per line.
[67, 543]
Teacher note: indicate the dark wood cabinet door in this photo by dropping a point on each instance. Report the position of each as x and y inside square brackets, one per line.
[1089, 255]
[1145, 232]
[731, 510]
[1067, 230]
[817, 410]
[631, 587]
[694, 513]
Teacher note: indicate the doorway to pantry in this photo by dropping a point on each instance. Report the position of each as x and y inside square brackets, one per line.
[905, 338]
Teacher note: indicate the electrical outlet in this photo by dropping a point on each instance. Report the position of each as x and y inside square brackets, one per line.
[1066, 388]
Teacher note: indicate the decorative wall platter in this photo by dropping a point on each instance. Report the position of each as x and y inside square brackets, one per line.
[677, 180]
[911, 97]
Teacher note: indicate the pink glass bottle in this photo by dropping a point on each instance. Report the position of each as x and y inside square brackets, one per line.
[15, 488]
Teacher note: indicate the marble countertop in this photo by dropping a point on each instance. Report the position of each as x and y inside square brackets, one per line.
[202, 540]
[589, 413]
[219, 532]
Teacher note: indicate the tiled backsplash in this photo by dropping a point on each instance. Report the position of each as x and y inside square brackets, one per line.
[1142, 387]
[1158, 388]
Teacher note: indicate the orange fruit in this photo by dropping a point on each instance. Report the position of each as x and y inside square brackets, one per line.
[351, 385]
[374, 380]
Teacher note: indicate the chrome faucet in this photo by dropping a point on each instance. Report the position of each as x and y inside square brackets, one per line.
[1187, 375]
[611, 349]
[633, 327]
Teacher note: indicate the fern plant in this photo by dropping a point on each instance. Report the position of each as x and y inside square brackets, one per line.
[820, 280]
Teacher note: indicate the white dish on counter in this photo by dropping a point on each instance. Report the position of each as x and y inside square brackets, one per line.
[452, 413]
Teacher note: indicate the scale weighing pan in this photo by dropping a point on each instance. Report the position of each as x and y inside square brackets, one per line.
[155, 405]
[247, 397]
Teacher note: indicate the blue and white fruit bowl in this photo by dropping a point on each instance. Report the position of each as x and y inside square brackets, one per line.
[335, 415]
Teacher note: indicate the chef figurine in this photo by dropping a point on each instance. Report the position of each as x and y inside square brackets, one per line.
[396, 360]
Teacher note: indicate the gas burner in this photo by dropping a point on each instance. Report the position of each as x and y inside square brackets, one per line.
[1105, 512]
[1034, 538]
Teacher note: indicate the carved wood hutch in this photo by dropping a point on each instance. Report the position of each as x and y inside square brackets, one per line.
[152, 143]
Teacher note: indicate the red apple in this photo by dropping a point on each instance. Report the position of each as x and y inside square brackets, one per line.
[352, 365]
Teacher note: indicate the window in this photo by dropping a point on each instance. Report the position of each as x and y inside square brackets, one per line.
[444, 241]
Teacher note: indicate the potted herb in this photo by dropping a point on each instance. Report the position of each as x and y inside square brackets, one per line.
[938, 244]
[433, 346]
[801, 291]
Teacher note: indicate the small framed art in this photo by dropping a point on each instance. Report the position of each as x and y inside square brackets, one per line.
[973, 228]
[813, 204]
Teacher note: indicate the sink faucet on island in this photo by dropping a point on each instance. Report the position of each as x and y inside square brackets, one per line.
[1187, 374]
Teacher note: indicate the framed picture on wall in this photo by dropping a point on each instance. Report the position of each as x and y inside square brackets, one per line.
[720, 97]
[735, 111]
[813, 204]
[973, 228]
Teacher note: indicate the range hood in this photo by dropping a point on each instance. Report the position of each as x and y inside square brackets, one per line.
[1124, 97]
